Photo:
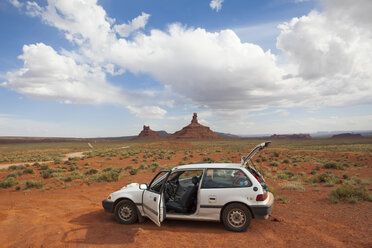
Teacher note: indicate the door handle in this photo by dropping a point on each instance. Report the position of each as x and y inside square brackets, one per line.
[154, 199]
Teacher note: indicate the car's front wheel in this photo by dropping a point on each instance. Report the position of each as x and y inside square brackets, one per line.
[236, 217]
[126, 212]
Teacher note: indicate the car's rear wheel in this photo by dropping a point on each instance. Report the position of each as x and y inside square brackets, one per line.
[126, 212]
[236, 217]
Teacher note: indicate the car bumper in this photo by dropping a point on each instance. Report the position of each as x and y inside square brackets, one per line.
[262, 212]
[108, 205]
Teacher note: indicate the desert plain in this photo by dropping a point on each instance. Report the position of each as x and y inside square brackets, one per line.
[322, 193]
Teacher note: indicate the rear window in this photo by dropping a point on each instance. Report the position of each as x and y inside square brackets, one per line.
[225, 178]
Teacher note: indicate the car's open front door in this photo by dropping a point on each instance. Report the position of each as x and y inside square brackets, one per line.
[153, 198]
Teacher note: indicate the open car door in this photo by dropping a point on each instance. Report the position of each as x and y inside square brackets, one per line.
[153, 198]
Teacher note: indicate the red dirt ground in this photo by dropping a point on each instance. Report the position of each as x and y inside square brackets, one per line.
[71, 215]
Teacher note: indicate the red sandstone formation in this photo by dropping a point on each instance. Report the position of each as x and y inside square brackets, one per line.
[347, 136]
[147, 133]
[195, 131]
[290, 136]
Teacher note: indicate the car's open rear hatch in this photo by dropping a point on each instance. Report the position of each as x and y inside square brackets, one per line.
[247, 163]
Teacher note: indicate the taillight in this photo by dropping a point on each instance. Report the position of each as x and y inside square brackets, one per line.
[261, 197]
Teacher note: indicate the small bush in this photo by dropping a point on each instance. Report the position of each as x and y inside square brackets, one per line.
[133, 171]
[276, 154]
[274, 163]
[108, 176]
[113, 169]
[28, 171]
[325, 178]
[13, 167]
[91, 172]
[349, 194]
[14, 174]
[72, 176]
[333, 165]
[294, 185]
[33, 184]
[9, 182]
[286, 161]
[208, 160]
[44, 167]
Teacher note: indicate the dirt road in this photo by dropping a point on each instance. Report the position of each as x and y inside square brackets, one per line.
[65, 158]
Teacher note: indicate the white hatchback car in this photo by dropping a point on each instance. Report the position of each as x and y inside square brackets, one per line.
[231, 193]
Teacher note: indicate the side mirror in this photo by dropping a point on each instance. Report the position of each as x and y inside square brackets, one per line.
[143, 186]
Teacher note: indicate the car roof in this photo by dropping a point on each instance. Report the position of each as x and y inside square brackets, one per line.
[208, 166]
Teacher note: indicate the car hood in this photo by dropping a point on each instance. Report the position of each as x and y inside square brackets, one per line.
[131, 187]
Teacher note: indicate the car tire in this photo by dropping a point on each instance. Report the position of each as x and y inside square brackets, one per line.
[236, 217]
[126, 212]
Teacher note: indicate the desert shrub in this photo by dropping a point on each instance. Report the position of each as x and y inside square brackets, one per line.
[44, 167]
[129, 167]
[350, 194]
[142, 167]
[263, 158]
[208, 160]
[113, 169]
[276, 154]
[345, 176]
[286, 161]
[274, 163]
[51, 172]
[333, 165]
[57, 161]
[330, 179]
[107, 176]
[133, 171]
[14, 174]
[45, 174]
[293, 185]
[36, 164]
[72, 176]
[91, 172]
[13, 167]
[74, 168]
[28, 171]
[9, 182]
[181, 163]
[33, 184]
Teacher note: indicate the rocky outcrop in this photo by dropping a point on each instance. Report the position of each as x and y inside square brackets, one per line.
[347, 136]
[195, 131]
[147, 133]
[291, 136]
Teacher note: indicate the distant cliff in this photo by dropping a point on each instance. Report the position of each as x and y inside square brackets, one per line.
[347, 136]
[291, 136]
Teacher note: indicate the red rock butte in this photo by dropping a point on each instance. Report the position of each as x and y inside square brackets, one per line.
[147, 133]
[195, 131]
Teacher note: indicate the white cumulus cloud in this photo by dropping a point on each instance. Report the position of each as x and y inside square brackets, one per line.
[216, 5]
[327, 64]
[124, 30]
[148, 112]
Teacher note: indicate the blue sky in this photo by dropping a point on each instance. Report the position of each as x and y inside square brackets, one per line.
[105, 68]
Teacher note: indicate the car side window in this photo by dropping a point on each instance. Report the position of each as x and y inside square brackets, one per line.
[225, 178]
